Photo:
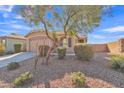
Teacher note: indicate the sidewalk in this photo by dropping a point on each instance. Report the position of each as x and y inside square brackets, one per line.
[5, 60]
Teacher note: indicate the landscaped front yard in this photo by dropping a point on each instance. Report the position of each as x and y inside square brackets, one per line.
[98, 72]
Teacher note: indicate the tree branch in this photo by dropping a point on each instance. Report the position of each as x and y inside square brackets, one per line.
[67, 21]
[46, 30]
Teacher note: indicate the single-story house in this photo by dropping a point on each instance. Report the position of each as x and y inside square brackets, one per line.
[9, 41]
[37, 38]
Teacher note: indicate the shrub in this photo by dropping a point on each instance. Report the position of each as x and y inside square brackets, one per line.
[83, 52]
[43, 49]
[70, 80]
[2, 53]
[61, 52]
[78, 79]
[9, 52]
[13, 66]
[17, 48]
[118, 62]
[23, 79]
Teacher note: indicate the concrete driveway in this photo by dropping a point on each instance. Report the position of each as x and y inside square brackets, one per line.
[19, 57]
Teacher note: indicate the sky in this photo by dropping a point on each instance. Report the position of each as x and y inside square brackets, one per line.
[110, 29]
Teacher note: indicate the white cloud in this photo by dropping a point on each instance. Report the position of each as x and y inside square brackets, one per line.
[118, 36]
[15, 16]
[18, 17]
[17, 26]
[6, 8]
[8, 22]
[98, 36]
[114, 29]
[5, 15]
[14, 29]
[7, 31]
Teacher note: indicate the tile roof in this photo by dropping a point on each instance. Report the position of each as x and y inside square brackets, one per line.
[15, 36]
[57, 32]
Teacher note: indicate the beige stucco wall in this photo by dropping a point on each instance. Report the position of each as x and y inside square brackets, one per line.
[114, 47]
[121, 45]
[99, 47]
[117, 46]
[10, 44]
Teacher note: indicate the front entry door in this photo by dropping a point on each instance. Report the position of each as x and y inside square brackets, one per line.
[69, 42]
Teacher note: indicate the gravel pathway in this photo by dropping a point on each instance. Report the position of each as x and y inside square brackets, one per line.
[97, 71]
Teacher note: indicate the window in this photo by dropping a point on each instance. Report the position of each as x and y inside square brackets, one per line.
[81, 41]
[3, 41]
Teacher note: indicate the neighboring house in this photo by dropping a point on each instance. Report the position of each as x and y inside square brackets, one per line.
[8, 42]
[37, 38]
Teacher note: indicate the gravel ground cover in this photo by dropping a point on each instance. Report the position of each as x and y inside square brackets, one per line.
[98, 72]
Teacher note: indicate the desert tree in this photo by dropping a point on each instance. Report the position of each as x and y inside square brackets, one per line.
[37, 16]
[72, 20]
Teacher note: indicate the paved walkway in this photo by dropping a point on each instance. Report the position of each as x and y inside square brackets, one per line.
[19, 57]
[67, 54]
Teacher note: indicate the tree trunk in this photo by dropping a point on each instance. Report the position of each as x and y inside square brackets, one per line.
[49, 52]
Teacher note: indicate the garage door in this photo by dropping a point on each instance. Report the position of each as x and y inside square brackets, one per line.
[35, 42]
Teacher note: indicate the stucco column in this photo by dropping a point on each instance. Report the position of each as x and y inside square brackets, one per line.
[85, 40]
[27, 45]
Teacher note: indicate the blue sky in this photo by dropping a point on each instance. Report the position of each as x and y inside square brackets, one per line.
[110, 29]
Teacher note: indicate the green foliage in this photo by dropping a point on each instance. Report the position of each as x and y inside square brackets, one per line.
[2, 50]
[43, 49]
[76, 18]
[2, 53]
[9, 52]
[83, 52]
[23, 79]
[13, 66]
[61, 52]
[82, 19]
[54, 35]
[117, 62]
[78, 79]
[17, 48]
[72, 33]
